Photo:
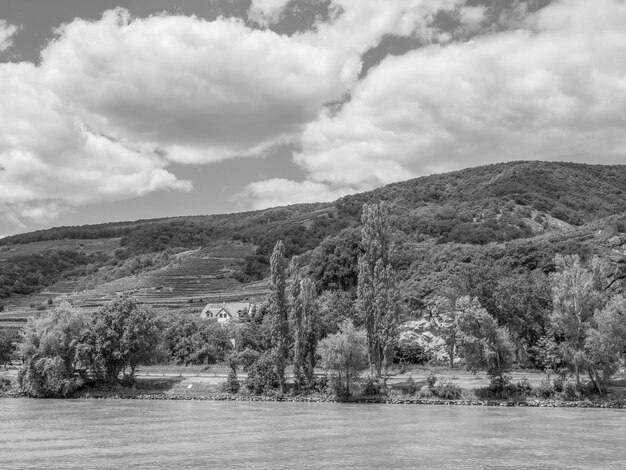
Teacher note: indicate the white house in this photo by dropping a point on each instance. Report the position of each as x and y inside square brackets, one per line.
[225, 312]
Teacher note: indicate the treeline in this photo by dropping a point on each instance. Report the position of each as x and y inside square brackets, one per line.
[25, 274]
[330, 311]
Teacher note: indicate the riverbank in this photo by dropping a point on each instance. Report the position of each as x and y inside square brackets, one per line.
[384, 400]
[210, 388]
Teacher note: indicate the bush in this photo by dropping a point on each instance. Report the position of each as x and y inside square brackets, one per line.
[321, 384]
[262, 376]
[524, 389]
[447, 390]
[46, 378]
[371, 387]
[431, 380]
[232, 383]
[499, 388]
[558, 383]
[5, 384]
[425, 392]
[544, 390]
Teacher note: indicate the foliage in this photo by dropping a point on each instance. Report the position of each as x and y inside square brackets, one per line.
[334, 308]
[25, 274]
[605, 344]
[344, 354]
[232, 383]
[51, 350]
[262, 375]
[8, 339]
[5, 384]
[197, 341]
[306, 320]
[483, 343]
[123, 335]
[500, 387]
[279, 311]
[378, 298]
[447, 390]
[334, 263]
[575, 298]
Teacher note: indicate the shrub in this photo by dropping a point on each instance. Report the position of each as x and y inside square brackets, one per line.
[5, 384]
[321, 384]
[431, 380]
[499, 388]
[46, 378]
[524, 389]
[425, 392]
[545, 390]
[570, 390]
[262, 376]
[232, 383]
[558, 383]
[447, 390]
[371, 387]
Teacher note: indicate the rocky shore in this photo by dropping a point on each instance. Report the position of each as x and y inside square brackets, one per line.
[359, 400]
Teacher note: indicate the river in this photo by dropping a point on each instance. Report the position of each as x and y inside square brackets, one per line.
[99, 434]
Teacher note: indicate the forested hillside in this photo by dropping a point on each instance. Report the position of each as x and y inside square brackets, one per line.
[485, 223]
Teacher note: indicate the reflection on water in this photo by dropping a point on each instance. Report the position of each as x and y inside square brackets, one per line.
[162, 434]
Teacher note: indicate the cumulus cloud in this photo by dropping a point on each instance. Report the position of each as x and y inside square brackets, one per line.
[51, 159]
[279, 191]
[266, 12]
[7, 31]
[114, 101]
[552, 90]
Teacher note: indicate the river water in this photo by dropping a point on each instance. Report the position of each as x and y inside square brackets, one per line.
[204, 434]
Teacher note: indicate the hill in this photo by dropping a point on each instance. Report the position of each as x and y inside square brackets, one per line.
[509, 216]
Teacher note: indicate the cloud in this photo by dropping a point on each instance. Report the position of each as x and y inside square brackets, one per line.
[113, 102]
[553, 90]
[52, 160]
[266, 12]
[279, 191]
[7, 31]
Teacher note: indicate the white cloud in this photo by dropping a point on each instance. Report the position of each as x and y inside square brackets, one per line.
[7, 31]
[279, 191]
[266, 12]
[115, 101]
[51, 160]
[555, 90]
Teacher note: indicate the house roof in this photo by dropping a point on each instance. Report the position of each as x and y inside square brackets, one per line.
[231, 308]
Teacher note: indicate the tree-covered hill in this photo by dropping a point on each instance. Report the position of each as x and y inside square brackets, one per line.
[509, 216]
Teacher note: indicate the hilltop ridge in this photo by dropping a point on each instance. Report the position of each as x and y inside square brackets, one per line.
[535, 207]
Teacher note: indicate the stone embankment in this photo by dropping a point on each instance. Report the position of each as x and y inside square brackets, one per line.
[362, 400]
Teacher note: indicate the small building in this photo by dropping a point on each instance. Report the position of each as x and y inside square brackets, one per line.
[225, 312]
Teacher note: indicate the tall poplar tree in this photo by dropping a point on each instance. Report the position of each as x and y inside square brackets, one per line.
[279, 310]
[378, 299]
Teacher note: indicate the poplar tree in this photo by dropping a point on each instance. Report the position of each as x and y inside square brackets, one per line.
[279, 310]
[305, 315]
[378, 299]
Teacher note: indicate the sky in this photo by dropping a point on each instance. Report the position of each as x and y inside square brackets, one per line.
[128, 109]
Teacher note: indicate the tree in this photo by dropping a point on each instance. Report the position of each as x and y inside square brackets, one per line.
[306, 320]
[8, 338]
[482, 343]
[605, 344]
[51, 350]
[334, 307]
[123, 335]
[334, 263]
[279, 311]
[575, 297]
[378, 299]
[345, 353]
[523, 304]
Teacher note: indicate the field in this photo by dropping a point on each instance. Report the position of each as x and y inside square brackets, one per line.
[192, 279]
